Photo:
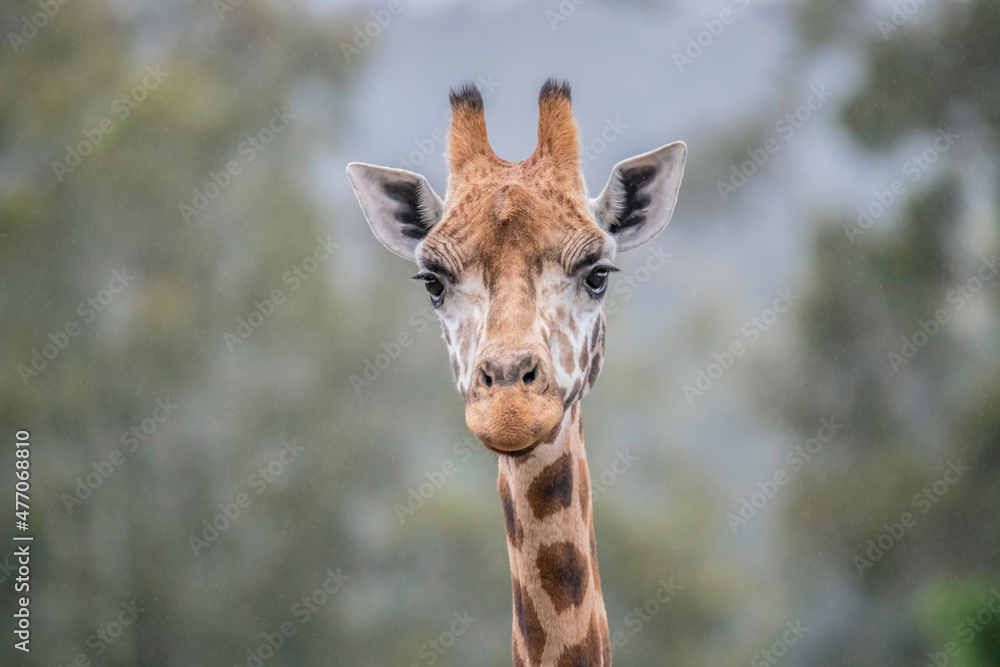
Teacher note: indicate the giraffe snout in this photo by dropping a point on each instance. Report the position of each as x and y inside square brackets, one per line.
[512, 403]
[525, 370]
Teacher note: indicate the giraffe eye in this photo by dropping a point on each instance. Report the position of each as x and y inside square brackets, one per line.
[597, 280]
[434, 287]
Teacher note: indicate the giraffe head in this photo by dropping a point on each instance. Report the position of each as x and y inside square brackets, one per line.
[517, 259]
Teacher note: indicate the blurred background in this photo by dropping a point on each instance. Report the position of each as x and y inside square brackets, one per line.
[246, 444]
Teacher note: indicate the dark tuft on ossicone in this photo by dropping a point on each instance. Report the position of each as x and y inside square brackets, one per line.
[467, 95]
[553, 88]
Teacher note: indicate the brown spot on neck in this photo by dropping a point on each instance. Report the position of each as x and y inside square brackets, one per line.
[584, 476]
[515, 533]
[552, 489]
[563, 571]
[528, 623]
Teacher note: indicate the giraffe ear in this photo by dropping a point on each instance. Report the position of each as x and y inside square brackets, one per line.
[639, 198]
[400, 206]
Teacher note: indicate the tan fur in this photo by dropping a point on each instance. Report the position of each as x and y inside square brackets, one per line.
[468, 144]
[558, 144]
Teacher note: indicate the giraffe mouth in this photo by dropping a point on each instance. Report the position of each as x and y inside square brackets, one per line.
[511, 420]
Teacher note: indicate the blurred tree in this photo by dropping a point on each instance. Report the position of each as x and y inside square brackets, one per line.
[915, 392]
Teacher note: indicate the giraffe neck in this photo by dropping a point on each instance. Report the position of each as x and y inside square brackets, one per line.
[559, 616]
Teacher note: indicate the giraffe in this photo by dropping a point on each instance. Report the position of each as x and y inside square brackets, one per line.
[516, 260]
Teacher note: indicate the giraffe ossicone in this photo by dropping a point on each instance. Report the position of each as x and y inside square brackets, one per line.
[517, 259]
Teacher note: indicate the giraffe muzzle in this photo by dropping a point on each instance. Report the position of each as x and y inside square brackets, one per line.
[512, 403]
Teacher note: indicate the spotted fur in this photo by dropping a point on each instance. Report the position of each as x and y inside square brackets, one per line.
[555, 561]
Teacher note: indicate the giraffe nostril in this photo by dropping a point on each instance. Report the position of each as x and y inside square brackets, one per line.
[531, 375]
[487, 379]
